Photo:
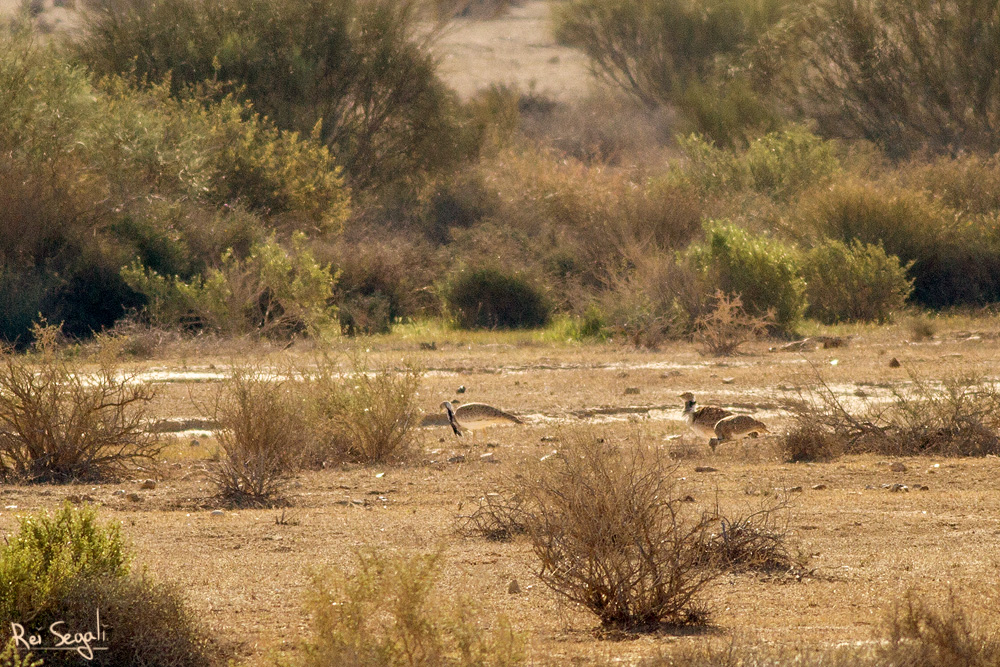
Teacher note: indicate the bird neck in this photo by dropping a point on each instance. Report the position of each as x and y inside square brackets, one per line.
[688, 406]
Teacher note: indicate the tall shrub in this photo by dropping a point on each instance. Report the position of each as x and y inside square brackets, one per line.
[763, 272]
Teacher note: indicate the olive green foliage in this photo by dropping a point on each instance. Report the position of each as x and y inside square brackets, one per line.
[854, 282]
[49, 553]
[677, 52]
[64, 566]
[275, 291]
[763, 272]
[389, 612]
[906, 75]
[780, 164]
[492, 299]
[97, 177]
[358, 72]
[953, 259]
[11, 656]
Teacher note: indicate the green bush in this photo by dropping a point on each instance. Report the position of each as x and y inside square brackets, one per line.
[62, 567]
[389, 612]
[854, 283]
[96, 177]
[763, 272]
[358, 73]
[953, 260]
[273, 291]
[661, 51]
[780, 165]
[491, 299]
[906, 75]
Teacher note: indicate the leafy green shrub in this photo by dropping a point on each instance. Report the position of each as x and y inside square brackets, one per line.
[611, 533]
[952, 259]
[64, 566]
[97, 177]
[763, 272]
[909, 76]
[491, 299]
[388, 612]
[273, 291]
[854, 283]
[779, 164]
[358, 73]
[59, 424]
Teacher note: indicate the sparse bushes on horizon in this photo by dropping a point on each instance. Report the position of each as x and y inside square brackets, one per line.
[907, 76]
[358, 74]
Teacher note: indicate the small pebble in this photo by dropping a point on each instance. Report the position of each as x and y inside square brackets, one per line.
[514, 588]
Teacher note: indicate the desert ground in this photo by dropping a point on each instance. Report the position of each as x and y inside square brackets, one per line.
[245, 571]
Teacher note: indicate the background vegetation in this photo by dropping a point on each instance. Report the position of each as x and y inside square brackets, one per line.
[266, 168]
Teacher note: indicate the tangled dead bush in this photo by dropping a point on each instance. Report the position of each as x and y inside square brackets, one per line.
[59, 424]
[728, 326]
[261, 431]
[960, 416]
[753, 540]
[499, 517]
[611, 533]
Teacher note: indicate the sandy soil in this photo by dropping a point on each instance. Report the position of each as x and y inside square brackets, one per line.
[245, 571]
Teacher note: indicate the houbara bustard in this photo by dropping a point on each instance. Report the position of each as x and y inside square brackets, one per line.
[735, 427]
[476, 416]
[702, 420]
[718, 424]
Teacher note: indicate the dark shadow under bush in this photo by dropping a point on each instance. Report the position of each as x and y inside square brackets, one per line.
[492, 299]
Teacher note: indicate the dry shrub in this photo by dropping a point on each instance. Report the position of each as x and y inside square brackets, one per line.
[601, 128]
[960, 416]
[364, 414]
[722, 331]
[261, 430]
[922, 633]
[653, 302]
[390, 612]
[921, 326]
[498, 517]
[808, 442]
[60, 424]
[752, 541]
[612, 534]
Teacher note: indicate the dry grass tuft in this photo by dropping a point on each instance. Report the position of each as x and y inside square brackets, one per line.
[261, 430]
[389, 612]
[959, 416]
[363, 413]
[612, 534]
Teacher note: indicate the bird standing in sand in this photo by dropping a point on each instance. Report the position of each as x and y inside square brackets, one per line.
[476, 416]
[702, 420]
[735, 427]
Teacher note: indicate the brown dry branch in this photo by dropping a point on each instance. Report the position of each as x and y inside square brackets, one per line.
[722, 331]
[611, 533]
[59, 424]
